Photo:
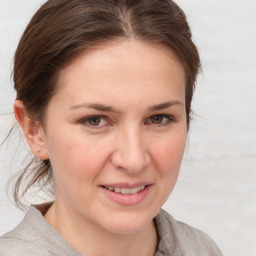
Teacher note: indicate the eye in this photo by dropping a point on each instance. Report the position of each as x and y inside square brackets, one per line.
[94, 121]
[159, 119]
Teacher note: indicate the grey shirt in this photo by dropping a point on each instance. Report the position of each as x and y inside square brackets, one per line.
[35, 237]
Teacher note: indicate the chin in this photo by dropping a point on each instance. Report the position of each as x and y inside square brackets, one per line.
[129, 224]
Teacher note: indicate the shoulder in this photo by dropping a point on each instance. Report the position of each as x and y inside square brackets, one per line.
[34, 237]
[15, 244]
[183, 239]
[12, 245]
[23, 239]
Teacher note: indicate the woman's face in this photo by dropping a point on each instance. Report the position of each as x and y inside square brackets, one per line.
[115, 134]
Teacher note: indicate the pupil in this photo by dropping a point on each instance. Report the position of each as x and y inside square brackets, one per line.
[94, 121]
[157, 119]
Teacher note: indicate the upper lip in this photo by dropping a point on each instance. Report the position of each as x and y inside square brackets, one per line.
[126, 185]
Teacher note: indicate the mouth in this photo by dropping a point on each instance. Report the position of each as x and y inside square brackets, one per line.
[126, 194]
[126, 191]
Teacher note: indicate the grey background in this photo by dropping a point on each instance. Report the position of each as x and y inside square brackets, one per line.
[216, 189]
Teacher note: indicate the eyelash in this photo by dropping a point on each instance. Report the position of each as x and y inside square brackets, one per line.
[85, 121]
[169, 120]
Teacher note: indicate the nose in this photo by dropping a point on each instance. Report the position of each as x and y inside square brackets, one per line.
[130, 154]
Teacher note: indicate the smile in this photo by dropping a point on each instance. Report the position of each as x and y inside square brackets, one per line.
[126, 191]
[126, 194]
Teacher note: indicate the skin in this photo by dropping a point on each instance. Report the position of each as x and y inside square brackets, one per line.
[134, 140]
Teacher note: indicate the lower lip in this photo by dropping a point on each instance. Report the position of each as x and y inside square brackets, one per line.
[127, 200]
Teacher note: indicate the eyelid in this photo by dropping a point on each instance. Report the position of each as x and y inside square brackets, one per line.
[169, 121]
[85, 120]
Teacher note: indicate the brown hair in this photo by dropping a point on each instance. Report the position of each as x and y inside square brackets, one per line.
[60, 29]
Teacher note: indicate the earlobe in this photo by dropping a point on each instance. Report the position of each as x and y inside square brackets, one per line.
[33, 131]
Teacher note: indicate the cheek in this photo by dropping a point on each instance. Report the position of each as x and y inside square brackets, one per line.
[73, 156]
[168, 154]
[76, 163]
[166, 158]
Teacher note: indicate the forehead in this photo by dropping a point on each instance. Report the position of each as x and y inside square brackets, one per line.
[123, 68]
[123, 52]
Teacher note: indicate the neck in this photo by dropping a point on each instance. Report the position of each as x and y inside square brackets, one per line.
[90, 239]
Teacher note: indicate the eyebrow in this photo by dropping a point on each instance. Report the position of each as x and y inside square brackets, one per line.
[165, 105]
[96, 106]
[105, 108]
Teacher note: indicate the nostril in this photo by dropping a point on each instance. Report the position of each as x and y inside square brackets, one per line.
[130, 163]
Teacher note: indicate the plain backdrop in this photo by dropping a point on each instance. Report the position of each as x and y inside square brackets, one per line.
[216, 189]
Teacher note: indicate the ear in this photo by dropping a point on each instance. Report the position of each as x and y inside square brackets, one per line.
[33, 131]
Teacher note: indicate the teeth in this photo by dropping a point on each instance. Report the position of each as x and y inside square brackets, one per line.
[133, 191]
[127, 191]
[141, 187]
[117, 190]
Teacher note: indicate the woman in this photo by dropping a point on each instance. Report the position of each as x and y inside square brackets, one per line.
[104, 92]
